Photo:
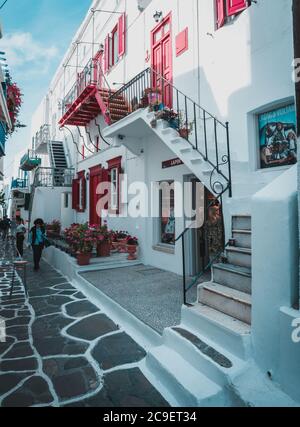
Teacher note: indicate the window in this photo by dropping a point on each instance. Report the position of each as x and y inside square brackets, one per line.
[79, 192]
[114, 188]
[167, 213]
[228, 8]
[115, 43]
[114, 172]
[114, 46]
[277, 137]
[66, 200]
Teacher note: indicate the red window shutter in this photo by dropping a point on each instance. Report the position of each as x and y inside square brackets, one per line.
[236, 6]
[220, 10]
[182, 42]
[106, 54]
[122, 34]
[75, 194]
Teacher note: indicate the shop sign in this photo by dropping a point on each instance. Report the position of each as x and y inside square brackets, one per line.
[171, 163]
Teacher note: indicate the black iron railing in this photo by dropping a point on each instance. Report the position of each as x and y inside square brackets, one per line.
[203, 131]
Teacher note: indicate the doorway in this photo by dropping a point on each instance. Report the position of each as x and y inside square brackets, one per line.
[206, 242]
[162, 59]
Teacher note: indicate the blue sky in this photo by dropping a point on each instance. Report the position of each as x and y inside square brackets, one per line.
[36, 36]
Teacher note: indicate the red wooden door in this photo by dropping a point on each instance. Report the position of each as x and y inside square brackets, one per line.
[162, 59]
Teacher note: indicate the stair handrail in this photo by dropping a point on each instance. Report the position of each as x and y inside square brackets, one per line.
[133, 93]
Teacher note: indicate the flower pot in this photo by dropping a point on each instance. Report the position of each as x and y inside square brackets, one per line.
[115, 246]
[83, 259]
[103, 249]
[122, 246]
[131, 250]
[184, 133]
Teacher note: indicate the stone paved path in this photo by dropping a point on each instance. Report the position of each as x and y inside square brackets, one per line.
[62, 351]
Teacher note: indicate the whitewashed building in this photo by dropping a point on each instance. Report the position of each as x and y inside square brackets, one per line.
[225, 67]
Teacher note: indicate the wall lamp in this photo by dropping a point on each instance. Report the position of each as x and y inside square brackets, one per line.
[157, 16]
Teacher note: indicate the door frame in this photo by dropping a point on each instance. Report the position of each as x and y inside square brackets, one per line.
[168, 17]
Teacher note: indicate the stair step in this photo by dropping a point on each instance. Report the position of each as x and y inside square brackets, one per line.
[169, 131]
[188, 386]
[233, 276]
[197, 160]
[234, 303]
[186, 150]
[242, 238]
[241, 222]
[176, 141]
[227, 332]
[239, 256]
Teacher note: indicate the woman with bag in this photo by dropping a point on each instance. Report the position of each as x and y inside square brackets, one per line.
[37, 239]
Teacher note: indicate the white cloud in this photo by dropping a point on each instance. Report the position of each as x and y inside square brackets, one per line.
[22, 50]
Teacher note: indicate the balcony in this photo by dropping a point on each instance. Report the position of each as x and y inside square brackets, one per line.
[50, 177]
[30, 161]
[19, 183]
[41, 140]
[80, 106]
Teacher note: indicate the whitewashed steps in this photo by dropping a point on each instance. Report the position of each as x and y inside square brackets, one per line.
[188, 386]
[242, 238]
[203, 353]
[228, 333]
[233, 276]
[226, 300]
[241, 222]
[239, 256]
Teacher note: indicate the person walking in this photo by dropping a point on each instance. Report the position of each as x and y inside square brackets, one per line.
[20, 236]
[37, 239]
[5, 226]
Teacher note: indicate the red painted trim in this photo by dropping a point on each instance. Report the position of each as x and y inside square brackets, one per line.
[236, 6]
[115, 163]
[182, 42]
[103, 107]
[81, 177]
[122, 35]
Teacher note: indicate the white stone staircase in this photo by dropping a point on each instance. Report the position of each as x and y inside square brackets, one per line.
[230, 289]
[201, 168]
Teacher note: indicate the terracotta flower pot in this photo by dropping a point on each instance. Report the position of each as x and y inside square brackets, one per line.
[122, 246]
[103, 249]
[131, 249]
[83, 259]
[115, 246]
[184, 133]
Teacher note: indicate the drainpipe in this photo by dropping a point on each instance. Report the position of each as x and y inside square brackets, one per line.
[296, 27]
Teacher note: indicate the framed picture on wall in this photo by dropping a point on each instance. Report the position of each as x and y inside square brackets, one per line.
[277, 137]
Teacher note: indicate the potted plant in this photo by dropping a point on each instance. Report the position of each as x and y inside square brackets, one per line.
[122, 240]
[131, 246]
[54, 229]
[81, 240]
[103, 241]
[185, 127]
[114, 242]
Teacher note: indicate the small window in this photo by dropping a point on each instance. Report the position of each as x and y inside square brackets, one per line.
[226, 9]
[114, 47]
[114, 188]
[66, 200]
[167, 213]
[277, 137]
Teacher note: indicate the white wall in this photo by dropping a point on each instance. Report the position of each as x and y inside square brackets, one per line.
[275, 280]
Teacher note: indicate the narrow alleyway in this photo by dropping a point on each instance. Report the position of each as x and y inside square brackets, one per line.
[62, 351]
